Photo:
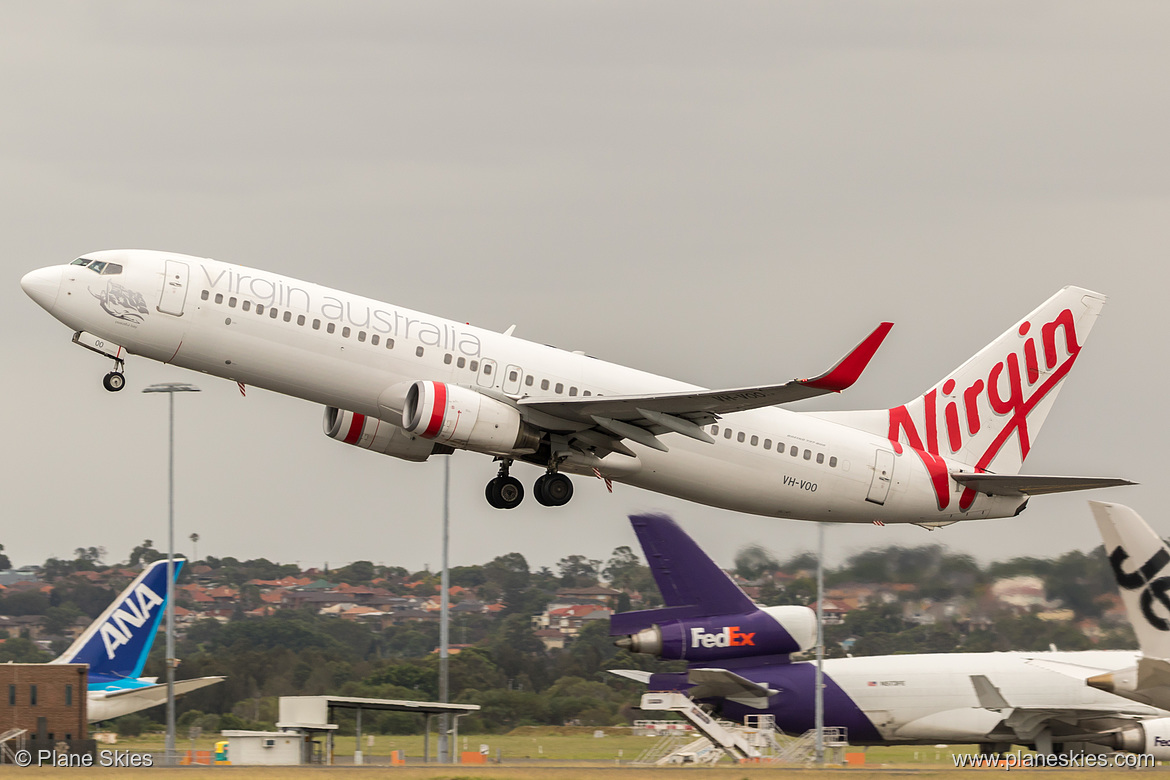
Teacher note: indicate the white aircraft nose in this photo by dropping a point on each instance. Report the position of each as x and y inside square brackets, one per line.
[42, 285]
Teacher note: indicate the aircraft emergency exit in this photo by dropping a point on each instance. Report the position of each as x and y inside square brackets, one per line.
[116, 646]
[412, 385]
[739, 663]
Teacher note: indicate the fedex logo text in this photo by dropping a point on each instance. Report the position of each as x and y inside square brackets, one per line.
[135, 611]
[728, 637]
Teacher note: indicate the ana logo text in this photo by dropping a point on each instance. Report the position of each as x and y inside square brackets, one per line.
[1154, 589]
[134, 612]
[728, 637]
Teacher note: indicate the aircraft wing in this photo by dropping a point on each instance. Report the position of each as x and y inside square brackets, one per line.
[641, 418]
[1026, 485]
[1026, 722]
[724, 684]
[712, 684]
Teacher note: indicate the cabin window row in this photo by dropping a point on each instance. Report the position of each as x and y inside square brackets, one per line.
[754, 441]
[374, 339]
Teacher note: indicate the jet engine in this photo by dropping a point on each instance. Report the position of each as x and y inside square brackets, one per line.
[1146, 736]
[465, 418]
[767, 631]
[370, 433]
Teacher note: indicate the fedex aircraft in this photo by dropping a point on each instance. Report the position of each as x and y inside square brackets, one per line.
[116, 646]
[411, 385]
[739, 663]
[1139, 560]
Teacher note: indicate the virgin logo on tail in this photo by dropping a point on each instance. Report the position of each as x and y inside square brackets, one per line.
[1011, 393]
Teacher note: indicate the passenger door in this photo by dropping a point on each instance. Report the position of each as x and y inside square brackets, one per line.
[174, 288]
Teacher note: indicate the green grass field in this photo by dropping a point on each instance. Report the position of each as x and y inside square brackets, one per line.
[551, 744]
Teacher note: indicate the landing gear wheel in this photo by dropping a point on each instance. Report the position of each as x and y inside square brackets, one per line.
[114, 381]
[553, 489]
[504, 492]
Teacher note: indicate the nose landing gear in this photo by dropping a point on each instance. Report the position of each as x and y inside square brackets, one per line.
[115, 380]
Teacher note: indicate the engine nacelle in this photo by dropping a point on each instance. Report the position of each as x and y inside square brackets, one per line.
[465, 418]
[767, 631]
[1146, 736]
[370, 433]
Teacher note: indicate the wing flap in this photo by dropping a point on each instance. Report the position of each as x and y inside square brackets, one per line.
[1029, 485]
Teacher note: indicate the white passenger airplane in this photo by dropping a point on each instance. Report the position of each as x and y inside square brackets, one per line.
[739, 663]
[1139, 559]
[411, 385]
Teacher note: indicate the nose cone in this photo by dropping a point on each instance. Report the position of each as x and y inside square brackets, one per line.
[42, 285]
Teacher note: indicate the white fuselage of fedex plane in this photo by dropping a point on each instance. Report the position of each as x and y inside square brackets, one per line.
[931, 698]
[344, 351]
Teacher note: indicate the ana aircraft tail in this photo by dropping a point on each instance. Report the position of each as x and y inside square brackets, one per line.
[116, 644]
[987, 412]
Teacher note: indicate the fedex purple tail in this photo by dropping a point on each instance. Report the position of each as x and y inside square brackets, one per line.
[707, 617]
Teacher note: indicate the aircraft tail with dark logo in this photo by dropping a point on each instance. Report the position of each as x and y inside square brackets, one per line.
[1140, 561]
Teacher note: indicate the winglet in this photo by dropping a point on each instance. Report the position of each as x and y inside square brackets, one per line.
[846, 372]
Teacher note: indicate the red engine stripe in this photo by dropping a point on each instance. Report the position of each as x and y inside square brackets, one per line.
[355, 428]
[437, 411]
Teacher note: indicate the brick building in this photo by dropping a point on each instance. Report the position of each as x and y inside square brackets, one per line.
[49, 700]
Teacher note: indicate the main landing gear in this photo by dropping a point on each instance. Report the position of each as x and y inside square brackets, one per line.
[506, 492]
[553, 489]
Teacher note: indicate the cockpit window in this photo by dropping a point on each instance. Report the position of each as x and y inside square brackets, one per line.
[97, 266]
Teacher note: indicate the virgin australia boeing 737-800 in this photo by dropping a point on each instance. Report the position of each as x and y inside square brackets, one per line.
[412, 385]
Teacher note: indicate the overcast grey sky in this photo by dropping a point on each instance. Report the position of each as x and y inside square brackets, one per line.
[723, 193]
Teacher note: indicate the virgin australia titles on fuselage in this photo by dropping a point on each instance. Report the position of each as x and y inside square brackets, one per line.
[409, 384]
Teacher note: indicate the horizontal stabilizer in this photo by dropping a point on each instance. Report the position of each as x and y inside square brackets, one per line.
[157, 694]
[637, 675]
[1028, 485]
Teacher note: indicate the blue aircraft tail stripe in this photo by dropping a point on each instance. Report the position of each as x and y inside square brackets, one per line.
[116, 644]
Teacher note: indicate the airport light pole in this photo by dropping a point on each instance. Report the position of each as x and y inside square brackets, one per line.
[819, 692]
[444, 618]
[170, 388]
